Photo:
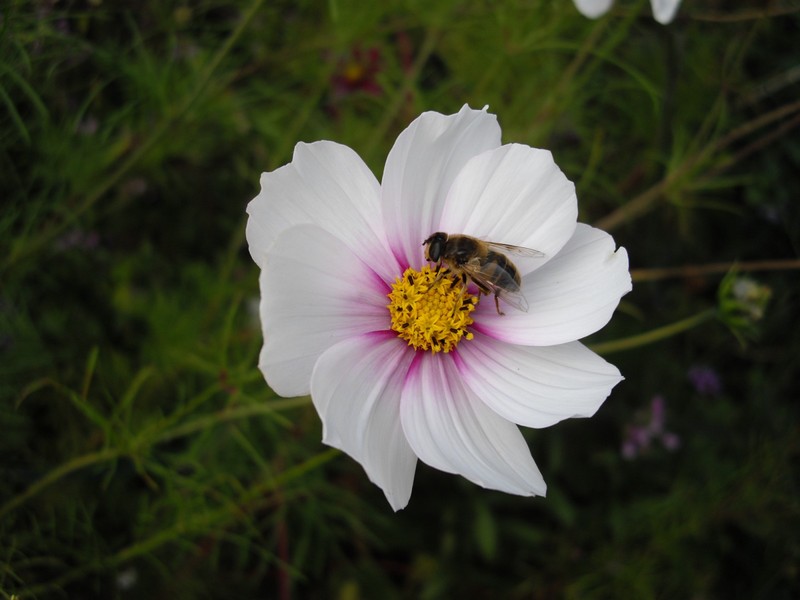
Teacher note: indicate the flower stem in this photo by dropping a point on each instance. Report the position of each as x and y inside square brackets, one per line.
[746, 14]
[198, 424]
[639, 275]
[65, 469]
[654, 335]
[404, 91]
[222, 416]
[642, 203]
[156, 134]
[191, 525]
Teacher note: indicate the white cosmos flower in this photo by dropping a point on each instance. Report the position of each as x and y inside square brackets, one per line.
[332, 243]
[663, 10]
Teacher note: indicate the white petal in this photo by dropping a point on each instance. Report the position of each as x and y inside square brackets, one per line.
[314, 293]
[570, 297]
[517, 195]
[664, 10]
[326, 184]
[356, 388]
[593, 8]
[421, 167]
[532, 386]
[450, 429]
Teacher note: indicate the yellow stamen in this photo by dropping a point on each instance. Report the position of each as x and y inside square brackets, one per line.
[431, 314]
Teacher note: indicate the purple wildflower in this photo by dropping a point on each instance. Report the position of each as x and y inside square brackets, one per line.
[705, 380]
[649, 426]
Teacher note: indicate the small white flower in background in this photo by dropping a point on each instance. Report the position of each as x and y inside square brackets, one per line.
[752, 297]
[402, 364]
[663, 10]
[742, 304]
[127, 578]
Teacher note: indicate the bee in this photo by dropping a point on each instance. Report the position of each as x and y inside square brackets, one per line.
[484, 263]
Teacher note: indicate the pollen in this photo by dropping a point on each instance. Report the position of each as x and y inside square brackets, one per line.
[431, 309]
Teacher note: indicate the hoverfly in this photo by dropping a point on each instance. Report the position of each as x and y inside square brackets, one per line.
[484, 263]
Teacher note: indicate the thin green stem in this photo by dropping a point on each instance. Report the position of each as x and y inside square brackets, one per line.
[751, 148]
[194, 524]
[639, 275]
[198, 424]
[68, 467]
[156, 133]
[746, 14]
[295, 126]
[654, 335]
[647, 199]
[223, 416]
[549, 107]
[425, 51]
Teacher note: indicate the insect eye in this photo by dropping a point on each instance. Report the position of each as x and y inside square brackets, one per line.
[435, 246]
[435, 250]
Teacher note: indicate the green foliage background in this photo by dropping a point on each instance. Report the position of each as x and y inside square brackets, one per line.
[143, 455]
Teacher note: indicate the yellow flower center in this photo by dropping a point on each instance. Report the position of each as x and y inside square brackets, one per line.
[354, 73]
[429, 313]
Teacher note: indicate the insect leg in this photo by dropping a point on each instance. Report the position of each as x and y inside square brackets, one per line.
[497, 305]
[439, 274]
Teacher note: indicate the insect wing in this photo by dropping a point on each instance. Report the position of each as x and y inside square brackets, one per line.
[497, 280]
[515, 250]
[515, 299]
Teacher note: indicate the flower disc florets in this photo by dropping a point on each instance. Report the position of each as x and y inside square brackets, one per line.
[431, 309]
